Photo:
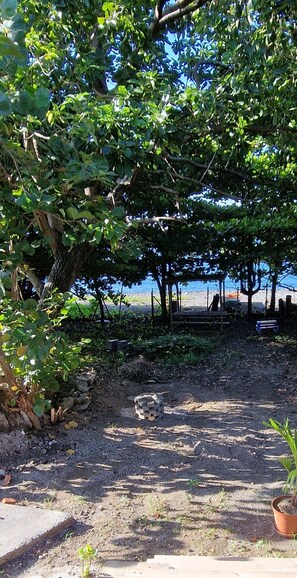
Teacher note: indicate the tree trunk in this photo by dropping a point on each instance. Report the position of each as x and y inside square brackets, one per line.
[65, 269]
[8, 373]
[100, 301]
[101, 307]
[250, 306]
[160, 279]
[162, 291]
[250, 284]
[273, 292]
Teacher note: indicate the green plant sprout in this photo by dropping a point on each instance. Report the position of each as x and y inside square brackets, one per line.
[288, 462]
[86, 554]
[194, 483]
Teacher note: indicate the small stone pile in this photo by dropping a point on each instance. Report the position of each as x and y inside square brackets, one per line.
[80, 397]
[149, 406]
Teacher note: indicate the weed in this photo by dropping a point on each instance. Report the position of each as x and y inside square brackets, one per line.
[220, 501]
[86, 554]
[235, 545]
[285, 340]
[210, 532]
[184, 519]
[124, 499]
[252, 338]
[176, 349]
[156, 506]
[48, 501]
[264, 544]
[194, 483]
[222, 495]
[68, 535]
[145, 522]
[81, 499]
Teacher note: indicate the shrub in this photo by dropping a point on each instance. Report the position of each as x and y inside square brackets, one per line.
[35, 356]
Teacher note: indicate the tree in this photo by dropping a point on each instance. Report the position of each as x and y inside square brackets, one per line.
[132, 104]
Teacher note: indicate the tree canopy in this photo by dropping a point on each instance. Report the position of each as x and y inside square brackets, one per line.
[118, 118]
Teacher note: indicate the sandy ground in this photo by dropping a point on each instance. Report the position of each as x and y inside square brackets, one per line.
[201, 299]
[198, 482]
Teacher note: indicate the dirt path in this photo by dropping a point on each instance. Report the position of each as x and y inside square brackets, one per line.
[200, 481]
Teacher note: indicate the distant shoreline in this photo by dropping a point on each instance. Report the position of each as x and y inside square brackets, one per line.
[199, 299]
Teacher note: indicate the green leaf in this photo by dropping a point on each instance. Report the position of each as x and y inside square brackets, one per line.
[42, 101]
[118, 212]
[53, 385]
[86, 215]
[30, 305]
[26, 103]
[5, 104]
[286, 463]
[8, 9]
[38, 410]
[128, 153]
[72, 213]
[108, 8]
[98, 235]
[26, 247]
[292, 477]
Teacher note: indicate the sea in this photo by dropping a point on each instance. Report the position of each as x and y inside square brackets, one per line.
[149, 285]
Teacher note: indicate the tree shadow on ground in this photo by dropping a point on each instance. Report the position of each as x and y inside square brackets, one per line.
[205, 473]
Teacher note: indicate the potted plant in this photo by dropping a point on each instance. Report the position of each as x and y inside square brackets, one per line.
[285, 507]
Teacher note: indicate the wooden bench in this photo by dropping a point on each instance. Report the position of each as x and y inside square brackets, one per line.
[206, 320]
[267, 324]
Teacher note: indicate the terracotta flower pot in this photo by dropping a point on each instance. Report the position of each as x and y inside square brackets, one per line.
[285, 524]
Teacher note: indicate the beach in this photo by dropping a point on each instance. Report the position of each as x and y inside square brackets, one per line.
[201, 299]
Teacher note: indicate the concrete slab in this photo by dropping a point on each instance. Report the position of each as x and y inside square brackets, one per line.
[21, 528]
[226, 564]
[201, 567]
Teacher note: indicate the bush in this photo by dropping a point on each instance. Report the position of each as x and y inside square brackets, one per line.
[76, 308]
[38, 355]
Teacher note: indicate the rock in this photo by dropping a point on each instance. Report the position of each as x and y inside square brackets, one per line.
[91, 376]
[85, 380]
[4, 425]
[67, 403]
[17, 421]
[13, 442]
[83, 406]
[82, 384]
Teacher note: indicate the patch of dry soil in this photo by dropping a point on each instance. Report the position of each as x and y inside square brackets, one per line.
[200, 481]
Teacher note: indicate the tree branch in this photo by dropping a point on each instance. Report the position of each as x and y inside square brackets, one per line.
[32, 276]
[47, 226]
[155, 220]
[180, 9]
[208, 63]
[165, 189]
[185, 160]
[252, 129]
[227, 195]
[200, 184]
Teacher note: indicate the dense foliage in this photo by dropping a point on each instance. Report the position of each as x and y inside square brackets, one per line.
[127, 125]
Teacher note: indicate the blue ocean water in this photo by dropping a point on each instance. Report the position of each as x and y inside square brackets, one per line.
[149, 284]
